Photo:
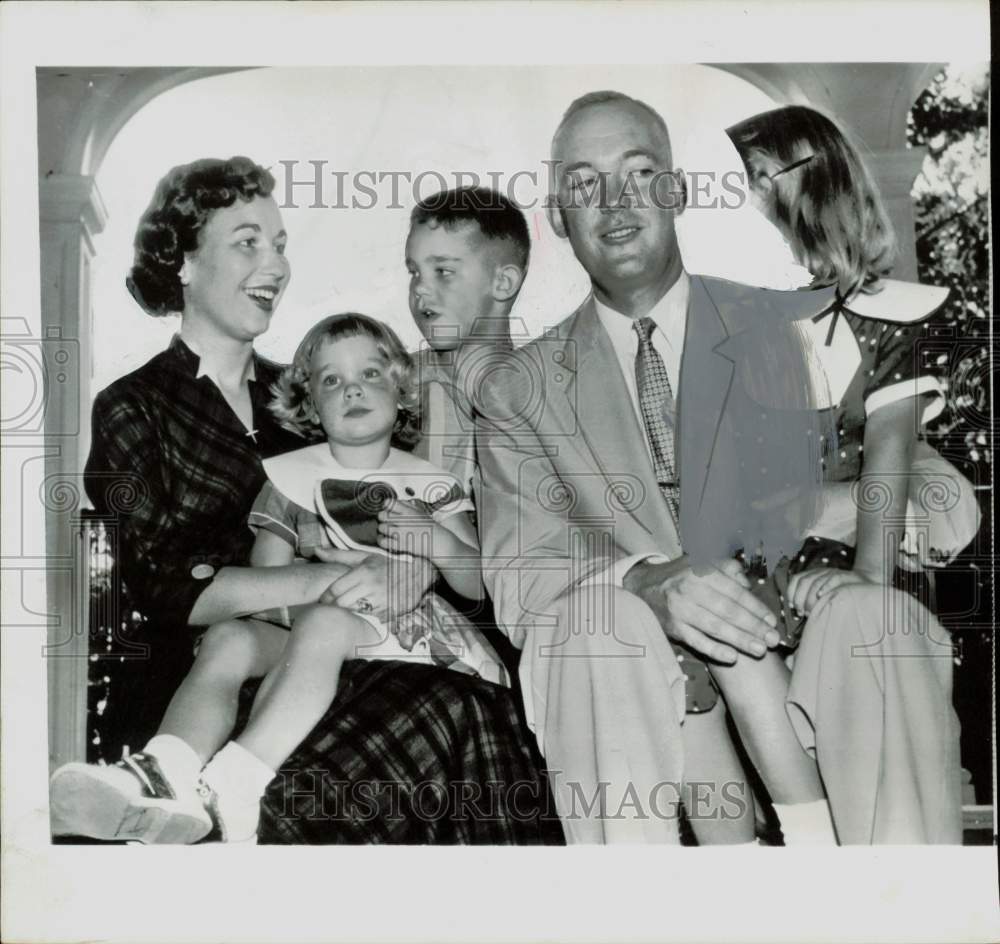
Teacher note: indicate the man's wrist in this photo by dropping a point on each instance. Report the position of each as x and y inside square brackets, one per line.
[649, 573]
[636, 576]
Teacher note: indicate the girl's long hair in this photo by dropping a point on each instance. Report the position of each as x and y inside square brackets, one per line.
[817, 190]
[828, 205]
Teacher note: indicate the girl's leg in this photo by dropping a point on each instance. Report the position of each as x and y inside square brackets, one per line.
[293, 698]
[152, 795]
[304, 682]
[755, 690]
[717, 797]
[203, 711]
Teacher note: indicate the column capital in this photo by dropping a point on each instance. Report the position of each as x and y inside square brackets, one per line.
[72, 198]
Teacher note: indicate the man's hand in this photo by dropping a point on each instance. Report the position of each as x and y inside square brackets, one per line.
[713, 613]
[393, 585]
[805, 590]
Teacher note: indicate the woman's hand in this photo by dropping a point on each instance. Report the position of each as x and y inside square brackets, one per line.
[392, 585]
[323, 576]
[805, 590]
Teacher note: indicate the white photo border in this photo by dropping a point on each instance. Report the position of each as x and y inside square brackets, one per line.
[76, 893]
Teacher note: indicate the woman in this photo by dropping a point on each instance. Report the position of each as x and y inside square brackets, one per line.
[859, 744]
[187, 432]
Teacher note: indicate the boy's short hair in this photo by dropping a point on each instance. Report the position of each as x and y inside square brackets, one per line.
[292, 403]
[497, 217]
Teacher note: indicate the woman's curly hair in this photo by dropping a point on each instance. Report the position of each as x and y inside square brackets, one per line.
[184, 201]
[826, 203]
[292, 403]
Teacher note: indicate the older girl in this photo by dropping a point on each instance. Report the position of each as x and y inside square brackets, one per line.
[859, 743]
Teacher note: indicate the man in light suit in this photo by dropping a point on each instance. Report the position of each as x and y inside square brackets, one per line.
[579, 508]
[581, 550]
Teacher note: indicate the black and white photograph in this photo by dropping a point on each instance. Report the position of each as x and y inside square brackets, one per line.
[557, 425]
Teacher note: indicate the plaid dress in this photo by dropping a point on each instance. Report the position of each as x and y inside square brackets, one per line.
[412, 754]
[174, 473]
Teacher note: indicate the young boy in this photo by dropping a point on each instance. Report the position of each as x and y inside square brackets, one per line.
[467, 255]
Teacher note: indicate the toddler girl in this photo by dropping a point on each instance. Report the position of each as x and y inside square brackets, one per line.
[351, 380]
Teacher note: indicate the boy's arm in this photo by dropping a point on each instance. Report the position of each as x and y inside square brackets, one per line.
[456, 548]
[450, 544]
[890, 434]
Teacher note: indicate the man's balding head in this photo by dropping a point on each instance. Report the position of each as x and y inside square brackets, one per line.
[604, 97]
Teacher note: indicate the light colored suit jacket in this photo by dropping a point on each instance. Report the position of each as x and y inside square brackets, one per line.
[567, 485]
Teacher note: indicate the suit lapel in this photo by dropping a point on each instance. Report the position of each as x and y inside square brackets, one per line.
[607, 426]
[722, 317]
[705, 383]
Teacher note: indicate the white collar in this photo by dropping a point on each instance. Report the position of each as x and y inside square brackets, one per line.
[899, 302]
[669, 314]
[207, 368]
[295, 474]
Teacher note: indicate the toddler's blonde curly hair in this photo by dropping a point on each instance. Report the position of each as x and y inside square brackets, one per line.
[292, 404]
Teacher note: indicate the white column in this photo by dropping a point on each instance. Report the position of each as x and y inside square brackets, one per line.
[895, 171]
[71, 213]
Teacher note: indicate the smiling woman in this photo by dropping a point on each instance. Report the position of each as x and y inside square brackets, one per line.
[239, 269]
[194, 213]
[217, 259]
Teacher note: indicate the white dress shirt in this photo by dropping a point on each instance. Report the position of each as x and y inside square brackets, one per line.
[670, 317]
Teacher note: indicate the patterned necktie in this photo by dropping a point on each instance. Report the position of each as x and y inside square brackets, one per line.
[656, 401]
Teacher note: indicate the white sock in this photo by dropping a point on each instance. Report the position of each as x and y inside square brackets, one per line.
[239, 779]
[177, 760]
[806, 824]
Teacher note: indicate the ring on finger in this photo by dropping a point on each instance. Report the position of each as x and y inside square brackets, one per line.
[364, 605]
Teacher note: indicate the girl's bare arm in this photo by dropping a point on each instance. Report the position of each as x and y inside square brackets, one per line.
[459, 558]
[450, 544]
[890, 434]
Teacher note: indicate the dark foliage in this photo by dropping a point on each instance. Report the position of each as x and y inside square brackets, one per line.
[951, 202]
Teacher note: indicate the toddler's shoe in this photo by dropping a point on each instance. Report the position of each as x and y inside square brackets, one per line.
[131, 800]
